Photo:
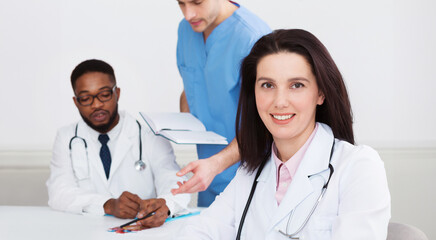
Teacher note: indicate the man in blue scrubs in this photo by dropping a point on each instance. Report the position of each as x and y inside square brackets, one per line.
[213, 38]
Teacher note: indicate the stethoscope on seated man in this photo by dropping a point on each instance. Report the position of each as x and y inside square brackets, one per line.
[139, 165]
[295, 234]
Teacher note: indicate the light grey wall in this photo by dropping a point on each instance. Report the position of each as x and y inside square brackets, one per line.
[410, 174]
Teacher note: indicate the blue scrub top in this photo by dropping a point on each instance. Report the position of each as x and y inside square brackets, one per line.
[210, 72]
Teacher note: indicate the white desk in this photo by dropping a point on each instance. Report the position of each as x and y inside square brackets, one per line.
[45, 223]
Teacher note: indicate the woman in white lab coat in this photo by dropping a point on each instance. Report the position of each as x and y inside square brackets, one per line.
[297, 148]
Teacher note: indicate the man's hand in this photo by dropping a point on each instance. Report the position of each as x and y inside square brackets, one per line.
[205, 170]
[126, 206]
[157, 205]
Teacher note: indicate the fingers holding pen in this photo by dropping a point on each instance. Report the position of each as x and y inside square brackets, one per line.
[125, 206]
[153, 205]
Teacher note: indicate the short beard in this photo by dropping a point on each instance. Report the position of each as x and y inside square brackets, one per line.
[103, 128]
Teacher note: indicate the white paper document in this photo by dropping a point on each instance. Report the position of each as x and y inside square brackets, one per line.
[181, 128]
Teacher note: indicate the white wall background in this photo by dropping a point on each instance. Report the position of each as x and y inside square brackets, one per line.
[385, 49]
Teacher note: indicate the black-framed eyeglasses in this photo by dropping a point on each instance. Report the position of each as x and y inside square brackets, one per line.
[102, 96]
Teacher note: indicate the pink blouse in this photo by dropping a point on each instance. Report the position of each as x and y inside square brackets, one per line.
[285, 171]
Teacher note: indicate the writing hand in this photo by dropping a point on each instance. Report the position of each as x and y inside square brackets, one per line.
[126, 206]
[157, 205]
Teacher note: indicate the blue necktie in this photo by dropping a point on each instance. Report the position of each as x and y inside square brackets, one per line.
[105, 155]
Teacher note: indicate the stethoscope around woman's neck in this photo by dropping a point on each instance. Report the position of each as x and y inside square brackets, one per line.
[253, 189]
[139, 164]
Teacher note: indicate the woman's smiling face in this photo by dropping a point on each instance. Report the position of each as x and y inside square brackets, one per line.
[286, 96]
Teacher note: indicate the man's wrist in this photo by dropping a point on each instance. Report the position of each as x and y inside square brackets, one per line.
[219, 162]
[223, 161]
[108, 206]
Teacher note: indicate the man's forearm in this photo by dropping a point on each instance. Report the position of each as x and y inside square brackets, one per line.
[184, 107]
[228, 156]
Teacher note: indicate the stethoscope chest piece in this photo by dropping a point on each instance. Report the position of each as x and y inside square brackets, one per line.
[140, 165]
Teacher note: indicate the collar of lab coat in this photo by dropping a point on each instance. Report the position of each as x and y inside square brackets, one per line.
[123, 143]
[315, 160]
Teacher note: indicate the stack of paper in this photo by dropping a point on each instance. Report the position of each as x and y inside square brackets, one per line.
[181, 128]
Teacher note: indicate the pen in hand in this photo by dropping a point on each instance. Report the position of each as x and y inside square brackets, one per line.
[138, 219]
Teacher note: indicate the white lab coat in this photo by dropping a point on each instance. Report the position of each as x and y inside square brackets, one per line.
[355, 206]
[84, 189]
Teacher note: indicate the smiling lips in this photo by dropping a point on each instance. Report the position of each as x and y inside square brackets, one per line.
[282, 118]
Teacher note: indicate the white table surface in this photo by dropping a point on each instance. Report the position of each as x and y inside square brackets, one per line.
[18, 222]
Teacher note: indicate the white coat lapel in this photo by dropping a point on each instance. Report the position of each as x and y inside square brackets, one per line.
[123, 145]
[93, 155]
[298, 190]
[315, 160]
[265, 191]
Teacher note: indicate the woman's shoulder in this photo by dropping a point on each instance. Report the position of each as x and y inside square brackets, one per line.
[243, 175]
[349, 150]
[243, 172]
[357, 158]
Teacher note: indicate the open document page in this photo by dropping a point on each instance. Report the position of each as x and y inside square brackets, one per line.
[181, 128]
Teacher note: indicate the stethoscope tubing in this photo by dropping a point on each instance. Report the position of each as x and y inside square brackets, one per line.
[253, 189]
[86, 146]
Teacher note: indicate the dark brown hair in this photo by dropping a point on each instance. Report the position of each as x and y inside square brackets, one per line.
[254, 139]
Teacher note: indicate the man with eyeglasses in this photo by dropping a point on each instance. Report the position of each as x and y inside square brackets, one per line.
[106, 163]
